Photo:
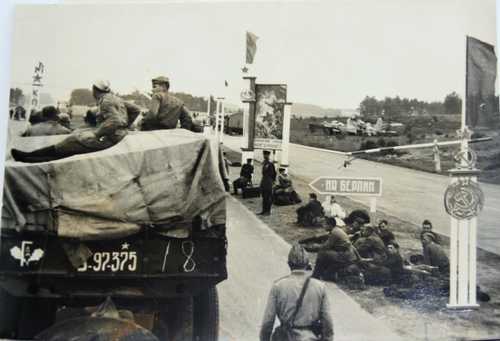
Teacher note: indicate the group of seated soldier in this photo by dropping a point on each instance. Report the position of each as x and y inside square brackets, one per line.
[314, 212]
[48, 121]
[357, 254]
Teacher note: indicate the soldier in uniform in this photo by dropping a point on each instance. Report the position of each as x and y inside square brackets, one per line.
[49, 126]
[111, 128]
[266, 183]
[245, 178]
[337, 257]
[283, 299]
[370, 246]
[166, 110]
[384, 233]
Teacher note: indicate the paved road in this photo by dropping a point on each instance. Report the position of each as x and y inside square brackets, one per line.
[408, 194]
[256, 257]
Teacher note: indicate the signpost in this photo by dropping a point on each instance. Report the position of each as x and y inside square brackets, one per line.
[347, 186]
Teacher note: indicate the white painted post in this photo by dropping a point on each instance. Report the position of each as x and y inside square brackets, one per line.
[285, 142]
[220, 115]
[453, 301]
[463, 238]
[248, 99]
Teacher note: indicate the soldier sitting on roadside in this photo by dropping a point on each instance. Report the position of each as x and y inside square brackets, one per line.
[427, 228]
[384, 233]
[370, 246]
[336, 258]
[284, 194]
[245, 178]
[311, 213]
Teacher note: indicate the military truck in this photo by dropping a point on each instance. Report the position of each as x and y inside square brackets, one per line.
[141, 224]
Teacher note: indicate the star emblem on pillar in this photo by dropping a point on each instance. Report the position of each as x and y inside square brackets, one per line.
[244, 69]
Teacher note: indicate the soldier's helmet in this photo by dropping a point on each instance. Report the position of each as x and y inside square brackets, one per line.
[102, 85]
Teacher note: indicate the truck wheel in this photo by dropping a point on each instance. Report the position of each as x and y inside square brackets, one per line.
[206, 316]
[10, 307]
[174, 321]
[195, 318]
[37, 314]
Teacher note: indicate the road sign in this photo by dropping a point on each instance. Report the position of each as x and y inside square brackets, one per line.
[347, 186]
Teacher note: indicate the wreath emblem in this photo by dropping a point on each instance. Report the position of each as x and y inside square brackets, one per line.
[463, 199]
[247, 95]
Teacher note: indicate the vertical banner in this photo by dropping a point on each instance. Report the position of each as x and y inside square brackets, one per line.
[37, 85]
[251, 47]
[480, 84]
[269, 114]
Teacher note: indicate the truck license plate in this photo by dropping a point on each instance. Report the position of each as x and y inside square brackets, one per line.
[123, 260]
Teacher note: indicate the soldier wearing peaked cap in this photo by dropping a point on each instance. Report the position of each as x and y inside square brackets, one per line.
[111, 128]
[166, 110]
[297, 319]
[266, 183]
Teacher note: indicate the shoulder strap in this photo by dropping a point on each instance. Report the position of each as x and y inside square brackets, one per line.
[299, 301]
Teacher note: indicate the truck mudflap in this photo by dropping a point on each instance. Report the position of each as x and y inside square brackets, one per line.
[105, 324]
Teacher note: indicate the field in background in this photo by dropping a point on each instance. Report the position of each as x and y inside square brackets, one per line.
[417, 130]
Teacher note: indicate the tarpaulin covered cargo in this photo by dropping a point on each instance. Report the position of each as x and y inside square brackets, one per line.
[162, 178]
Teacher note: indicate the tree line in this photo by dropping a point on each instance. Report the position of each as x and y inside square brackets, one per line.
[393, 108]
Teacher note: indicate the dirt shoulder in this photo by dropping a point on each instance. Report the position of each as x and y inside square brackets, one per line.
[426, 319]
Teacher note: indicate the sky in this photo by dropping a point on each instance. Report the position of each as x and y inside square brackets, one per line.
[329, 53]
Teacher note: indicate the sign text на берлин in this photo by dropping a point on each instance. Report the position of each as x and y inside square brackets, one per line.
[348, 186]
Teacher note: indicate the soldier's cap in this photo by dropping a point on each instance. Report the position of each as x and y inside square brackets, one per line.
[266, 152]
[161, 80]
[102, 85]
[298, 257]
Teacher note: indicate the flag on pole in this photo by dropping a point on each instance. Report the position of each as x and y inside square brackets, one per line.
[480, 83]
[251, 46]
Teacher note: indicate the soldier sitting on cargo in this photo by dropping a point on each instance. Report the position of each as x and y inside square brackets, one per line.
[49, 126]
[166, 110]
[311, 213]
[245, 178]
[111, 128]
[283, 192]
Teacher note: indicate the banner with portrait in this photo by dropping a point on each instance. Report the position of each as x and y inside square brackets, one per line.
[269, 113]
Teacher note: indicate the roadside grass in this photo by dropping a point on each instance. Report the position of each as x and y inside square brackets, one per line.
[421, 320]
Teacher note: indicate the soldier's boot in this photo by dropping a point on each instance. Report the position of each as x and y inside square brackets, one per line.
[40, 155]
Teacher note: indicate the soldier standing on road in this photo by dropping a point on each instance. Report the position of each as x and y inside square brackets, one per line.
[299, 318]
[166, 110]
[111, 128]
[266, 184]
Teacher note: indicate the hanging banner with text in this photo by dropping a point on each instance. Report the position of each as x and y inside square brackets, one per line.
[269, 113]
[347, 186]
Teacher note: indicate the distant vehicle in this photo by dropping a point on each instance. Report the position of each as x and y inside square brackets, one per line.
[233, 124]
[357, 127]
